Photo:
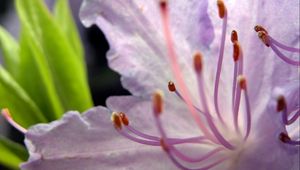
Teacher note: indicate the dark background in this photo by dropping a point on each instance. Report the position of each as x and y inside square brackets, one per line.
[103, 81]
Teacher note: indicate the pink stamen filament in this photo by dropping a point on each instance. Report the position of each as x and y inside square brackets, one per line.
[170, 150]
[197, 108]
[236, 108]
[173, 141]
[219, 67]
[283, 57]
[293, 142]
[187, 158]
[235, 73]
[284, 116]
[177, 73]
[238, 70]
[294, 117]
[10, 120]
[248, 113]
[211, 124]
[282, 46]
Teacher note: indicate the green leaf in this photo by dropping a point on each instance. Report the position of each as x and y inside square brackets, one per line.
[12, 96]
[65, 20]
[35, 77]
[10, 49]
[12, 154]
[66, 68]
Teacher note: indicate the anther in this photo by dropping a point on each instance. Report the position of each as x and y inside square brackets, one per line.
[264, 38]
[281, 104]
[242, 82]
[157, 102]
[124, 118]
[163, 4]
[258, 28]
[221, 8]
[236, 51]
[171, 86]
[284, 137]
[115, 118]
[164, 145]
[198, 64]
[234, 36]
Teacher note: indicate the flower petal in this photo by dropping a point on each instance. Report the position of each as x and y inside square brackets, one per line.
[87, 142]
[137, 46]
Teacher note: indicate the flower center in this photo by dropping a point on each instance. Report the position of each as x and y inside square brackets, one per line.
[216, 132]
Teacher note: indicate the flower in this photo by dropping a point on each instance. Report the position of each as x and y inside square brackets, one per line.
[244, 117]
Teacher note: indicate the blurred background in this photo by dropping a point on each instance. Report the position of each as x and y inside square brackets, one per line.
[103, 82]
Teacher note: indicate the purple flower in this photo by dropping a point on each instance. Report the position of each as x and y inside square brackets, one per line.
[234, 105]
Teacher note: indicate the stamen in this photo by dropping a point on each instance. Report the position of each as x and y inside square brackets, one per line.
[166, 146]
[282, 46]
[242, 82]
[271, 42]
[237, 104]
[157, 102]
[217, 134]
[115, 118]
[180, 166]
[187, 158]
[171, 86]
[10, 120]
[176, 69]
[234, 36]
[258, 28]
[236, 51]
[264, 38]
[282, 107]
[283, 57]
[286, 139]
[281, 104]
[223, 14]
[294, 118]
[124, 118]
[198, 62]
[243, 86]
[221, 8]
[172, 141]
[141, 141]
[236, 56]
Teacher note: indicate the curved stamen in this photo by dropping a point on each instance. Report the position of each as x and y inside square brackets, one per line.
[236, 56]
[172, 88]
[271, 42]
[282, 107]
[198, 69]
[243, 86]
[282, 46]
[223, 14]
[286, 139]
[164, 143]
[294, 117]
[283, 57]
[187, 158]
[237, 106]
[138, 140]
[173, 141]
[10, 120]
[180, 166]
[176, 69]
